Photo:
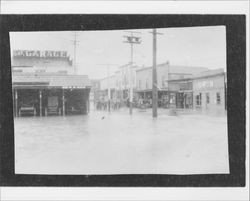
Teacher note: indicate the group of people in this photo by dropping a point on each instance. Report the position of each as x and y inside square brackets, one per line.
[106, 104]
[114, 104]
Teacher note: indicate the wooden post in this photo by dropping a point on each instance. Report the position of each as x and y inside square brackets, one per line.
[63, 102]
[13, 102]
[154, 78]
[131, 83]
[40, 103]
[16, 102]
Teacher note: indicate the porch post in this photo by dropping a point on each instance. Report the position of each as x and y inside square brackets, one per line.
[63, 103]
[40, 102]
[88, 103]
[13, 101]
[16, 102]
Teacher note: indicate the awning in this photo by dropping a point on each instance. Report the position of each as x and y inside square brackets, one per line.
[50, 81]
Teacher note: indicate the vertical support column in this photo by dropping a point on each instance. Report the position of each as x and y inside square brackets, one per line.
[88, 103]
[184, 100]
[63, 102]
[131, 83]
[13, 102]
[154, 78]
[40, 103]
[16, 103]
[109, 92]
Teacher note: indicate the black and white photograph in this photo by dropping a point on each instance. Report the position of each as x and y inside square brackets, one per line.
[91, 102]
[122, 100]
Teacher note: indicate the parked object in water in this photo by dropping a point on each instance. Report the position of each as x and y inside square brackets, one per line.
[53, 106]
[27, 109]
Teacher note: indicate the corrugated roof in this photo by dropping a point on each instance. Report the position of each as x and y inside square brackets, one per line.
[53, 80]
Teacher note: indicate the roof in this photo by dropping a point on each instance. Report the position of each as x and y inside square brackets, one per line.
[174, 69]
[105, 78]
[181, 80]
[209, 73]
[64, 81]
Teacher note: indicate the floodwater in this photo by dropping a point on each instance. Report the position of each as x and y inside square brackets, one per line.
[117, 143]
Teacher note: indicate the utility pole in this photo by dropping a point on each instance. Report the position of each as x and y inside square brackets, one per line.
[132, 40]
[75, 41]
[108, 74]
[154, 76]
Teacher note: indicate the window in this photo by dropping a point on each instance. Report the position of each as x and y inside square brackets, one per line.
[207, 98]
[139, 84]
[198, 99]
[218, 98]
[163, 81]
[146, 83]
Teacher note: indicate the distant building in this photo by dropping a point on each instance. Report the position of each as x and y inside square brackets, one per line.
[119, 83]
[209, 91]
[205, 92]
[95, 89]
[181, 93]
[43, 84]
[165, 73]
[184, 87]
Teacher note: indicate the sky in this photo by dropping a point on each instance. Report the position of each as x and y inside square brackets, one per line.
[185, 46]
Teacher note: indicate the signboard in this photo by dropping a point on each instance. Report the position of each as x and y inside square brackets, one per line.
[204, 84]
[37, 53]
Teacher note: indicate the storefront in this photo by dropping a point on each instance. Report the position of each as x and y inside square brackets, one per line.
[44, 95]
[209, 92]
[180, 93]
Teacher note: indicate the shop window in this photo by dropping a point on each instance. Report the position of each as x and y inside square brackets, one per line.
[218, 98]
[198, 99]
[207, 98]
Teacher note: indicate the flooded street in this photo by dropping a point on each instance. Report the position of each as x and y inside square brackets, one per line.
[117, 143]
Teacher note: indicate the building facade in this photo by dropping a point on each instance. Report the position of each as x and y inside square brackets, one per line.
[43, 84]
[183, 87]
[209, 91]
[181, 93]
[119, 85]
[167, 91]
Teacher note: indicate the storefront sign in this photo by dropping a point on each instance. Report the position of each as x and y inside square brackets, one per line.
[36, 53]
[205, 84]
